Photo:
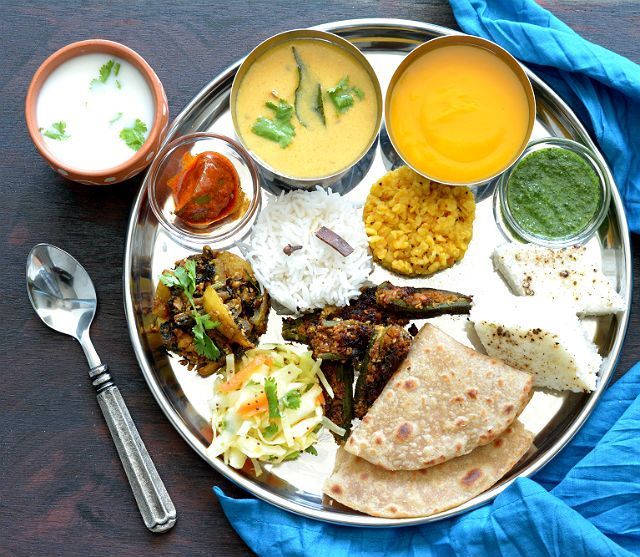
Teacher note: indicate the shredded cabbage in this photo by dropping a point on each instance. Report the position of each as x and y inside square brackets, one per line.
[241, 421]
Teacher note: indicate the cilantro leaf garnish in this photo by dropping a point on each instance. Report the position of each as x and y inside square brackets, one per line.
[311, 450]
[134, 137]
[118, 84]
[271, 390]
[201, 340]
[169, 279]
[57, 131]
[184, 277]
[116, 118]
[280, 129]
[270, 431]
[105, 72]
[292, 400]
[116, 69]
[342, 95]
[292, 456]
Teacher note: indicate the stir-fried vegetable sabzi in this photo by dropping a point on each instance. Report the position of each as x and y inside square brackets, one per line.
[208, 306]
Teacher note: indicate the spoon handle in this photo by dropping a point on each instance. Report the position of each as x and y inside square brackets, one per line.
[154, 502]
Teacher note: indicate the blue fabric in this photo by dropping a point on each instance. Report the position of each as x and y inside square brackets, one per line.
[587, 500]
[603, 88]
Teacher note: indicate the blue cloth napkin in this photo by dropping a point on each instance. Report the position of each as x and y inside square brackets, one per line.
[587, 500]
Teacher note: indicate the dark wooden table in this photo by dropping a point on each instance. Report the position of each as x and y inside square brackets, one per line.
[62, 489]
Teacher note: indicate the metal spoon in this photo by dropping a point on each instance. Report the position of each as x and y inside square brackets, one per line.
[63, 296]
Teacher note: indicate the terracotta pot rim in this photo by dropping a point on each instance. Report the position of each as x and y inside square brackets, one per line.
[85, 47]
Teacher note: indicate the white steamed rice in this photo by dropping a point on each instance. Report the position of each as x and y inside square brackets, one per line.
[316, 275]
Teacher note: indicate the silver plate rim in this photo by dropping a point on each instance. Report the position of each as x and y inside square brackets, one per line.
[382, 25]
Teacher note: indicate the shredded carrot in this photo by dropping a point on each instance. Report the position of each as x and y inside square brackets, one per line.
[254, 406]
[320, 398]
[238, 379]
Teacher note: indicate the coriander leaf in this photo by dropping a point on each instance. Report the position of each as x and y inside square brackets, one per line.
[116, 118]
[311, 450]
[292, 456]
[116, 69]
[118, 84]
[291, 400]
[134, 137]
[342, 95]
[270, 431]
[169, 279]
[279, 129]
[190, 266]
[283, 110]
[57, 131]
[205, 346]
[271, 390]
[184, 277]
[201, 341]
[105, 72]
[187, 280]
[208, 323]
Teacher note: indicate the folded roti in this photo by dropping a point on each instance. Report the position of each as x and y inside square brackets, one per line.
[444, 401]
[360, 485]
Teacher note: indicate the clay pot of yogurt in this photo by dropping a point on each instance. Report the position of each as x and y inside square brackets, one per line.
[97, 112]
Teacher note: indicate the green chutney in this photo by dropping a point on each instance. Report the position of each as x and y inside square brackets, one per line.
[553, 193]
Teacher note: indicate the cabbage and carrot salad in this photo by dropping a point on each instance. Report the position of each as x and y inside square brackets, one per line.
[268, 407]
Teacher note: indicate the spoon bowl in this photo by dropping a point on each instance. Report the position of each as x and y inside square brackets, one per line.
[60, 290]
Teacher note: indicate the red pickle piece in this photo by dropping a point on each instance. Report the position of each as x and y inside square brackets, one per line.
[330, 238]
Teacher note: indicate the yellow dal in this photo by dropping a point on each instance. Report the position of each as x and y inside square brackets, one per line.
[315, 150]
[416, 226]
[459, 114]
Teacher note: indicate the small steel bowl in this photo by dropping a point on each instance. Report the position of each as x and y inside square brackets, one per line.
[341, 180]
[450, 40]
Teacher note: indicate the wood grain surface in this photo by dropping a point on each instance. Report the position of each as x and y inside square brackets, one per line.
[62, 489]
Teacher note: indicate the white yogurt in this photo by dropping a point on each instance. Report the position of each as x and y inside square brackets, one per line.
[94, 111]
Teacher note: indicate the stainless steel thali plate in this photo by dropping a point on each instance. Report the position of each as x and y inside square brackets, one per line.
[296, 486]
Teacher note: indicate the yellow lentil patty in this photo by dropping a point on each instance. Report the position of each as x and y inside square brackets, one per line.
[415, 226]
